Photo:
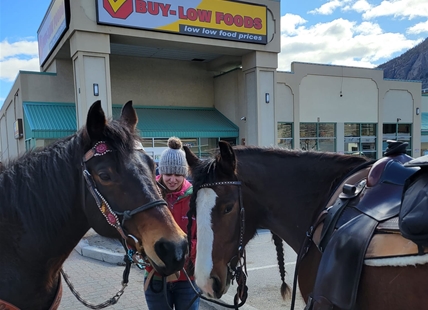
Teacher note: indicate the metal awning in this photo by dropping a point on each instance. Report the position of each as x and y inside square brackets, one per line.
[49, 120]
[54, 120]
[183, 122]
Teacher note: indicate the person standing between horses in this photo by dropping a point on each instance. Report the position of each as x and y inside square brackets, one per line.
[173, 171]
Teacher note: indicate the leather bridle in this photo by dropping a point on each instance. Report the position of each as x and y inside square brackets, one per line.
[112, 217]
[239, 271]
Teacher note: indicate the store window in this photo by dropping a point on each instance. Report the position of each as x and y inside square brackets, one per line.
[201, 147]
[397, 132]
[285, 135]
[360, 139]
[207, 146]
[192, 144]
[318, 137]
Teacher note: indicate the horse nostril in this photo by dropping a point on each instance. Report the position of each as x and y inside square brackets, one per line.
[217, 287]
[166, 248]
[172, 254]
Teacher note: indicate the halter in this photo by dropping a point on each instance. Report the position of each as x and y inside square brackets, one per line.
[238, 273]
[99, 149]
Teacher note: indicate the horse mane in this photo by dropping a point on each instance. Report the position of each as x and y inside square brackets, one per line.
[203, 172]
[36, 189]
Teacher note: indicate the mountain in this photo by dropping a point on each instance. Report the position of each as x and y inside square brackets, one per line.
[412, 65]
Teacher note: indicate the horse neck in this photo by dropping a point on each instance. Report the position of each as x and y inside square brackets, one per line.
[286, 194]
[45, 221]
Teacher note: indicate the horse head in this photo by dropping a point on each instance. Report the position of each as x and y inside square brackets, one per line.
[220, 219]
[120, 182]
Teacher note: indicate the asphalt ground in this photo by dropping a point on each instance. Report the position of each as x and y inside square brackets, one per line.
[97, 276]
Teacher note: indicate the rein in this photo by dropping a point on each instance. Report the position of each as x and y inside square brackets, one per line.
[239, 272]
[132, 255]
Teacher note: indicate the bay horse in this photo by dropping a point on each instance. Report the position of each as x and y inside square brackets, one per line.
[244, 188]
[99, 177]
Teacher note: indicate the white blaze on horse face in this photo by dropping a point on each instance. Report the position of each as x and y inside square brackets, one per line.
[205, 202]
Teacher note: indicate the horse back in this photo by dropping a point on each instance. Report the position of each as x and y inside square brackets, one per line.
[380, 201]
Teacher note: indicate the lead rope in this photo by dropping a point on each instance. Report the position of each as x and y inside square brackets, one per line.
[105, 304]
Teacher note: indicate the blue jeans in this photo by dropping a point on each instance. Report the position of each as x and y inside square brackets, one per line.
[179, 295]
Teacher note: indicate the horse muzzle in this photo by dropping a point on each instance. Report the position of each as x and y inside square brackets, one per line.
[172, 254]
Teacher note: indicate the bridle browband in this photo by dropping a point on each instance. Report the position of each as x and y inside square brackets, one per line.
[239, 272]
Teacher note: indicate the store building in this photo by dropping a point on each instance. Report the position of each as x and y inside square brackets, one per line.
[202, 70]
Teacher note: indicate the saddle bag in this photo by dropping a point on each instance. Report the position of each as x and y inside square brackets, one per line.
[413, 216]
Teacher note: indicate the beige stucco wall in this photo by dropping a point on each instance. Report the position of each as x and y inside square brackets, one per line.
[49, 87]
[284, 108]
[229, 99]
[397, 106]
[332, 98]
[160, 82]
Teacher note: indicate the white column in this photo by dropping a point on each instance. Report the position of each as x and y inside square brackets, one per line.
[260, 79]
[91, 68]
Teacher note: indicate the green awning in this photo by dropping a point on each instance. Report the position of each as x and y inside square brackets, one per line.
[183, 122]
[49, 120]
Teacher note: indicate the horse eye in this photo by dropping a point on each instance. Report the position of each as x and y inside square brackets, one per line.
[104, 176]
[228, 209]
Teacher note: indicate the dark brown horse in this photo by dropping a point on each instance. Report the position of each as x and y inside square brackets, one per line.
[285, 192]
[101, 178]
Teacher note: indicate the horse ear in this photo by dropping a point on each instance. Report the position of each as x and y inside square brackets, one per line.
[192, 159]
[128, 116]
[96, 121]
[227, 159]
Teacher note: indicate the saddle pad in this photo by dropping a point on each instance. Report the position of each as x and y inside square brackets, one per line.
[386, 242]
[391, 245]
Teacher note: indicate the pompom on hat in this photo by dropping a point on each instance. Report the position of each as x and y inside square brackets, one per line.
[173, 159]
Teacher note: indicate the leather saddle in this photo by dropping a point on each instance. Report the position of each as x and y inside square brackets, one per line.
[365, 205]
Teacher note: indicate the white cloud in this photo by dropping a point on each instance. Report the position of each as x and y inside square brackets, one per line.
[289, 23]
[9, 68]
[398, 8]
[329, 7]
[20, 55]
[367, 28]
[18, 48]
[418, 28]
[360, 6]
[340, 42]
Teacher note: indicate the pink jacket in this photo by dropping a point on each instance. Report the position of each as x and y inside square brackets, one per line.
[178, 204]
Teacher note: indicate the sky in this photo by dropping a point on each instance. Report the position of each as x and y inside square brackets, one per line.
[359, 33]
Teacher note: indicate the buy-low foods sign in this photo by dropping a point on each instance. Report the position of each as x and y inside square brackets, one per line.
[217, 19]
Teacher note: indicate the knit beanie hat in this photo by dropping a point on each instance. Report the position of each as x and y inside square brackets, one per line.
[173, 159]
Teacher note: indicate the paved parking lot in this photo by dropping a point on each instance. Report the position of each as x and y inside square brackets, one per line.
[97, 281]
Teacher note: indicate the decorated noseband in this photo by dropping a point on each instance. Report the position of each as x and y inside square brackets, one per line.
[99, 149]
